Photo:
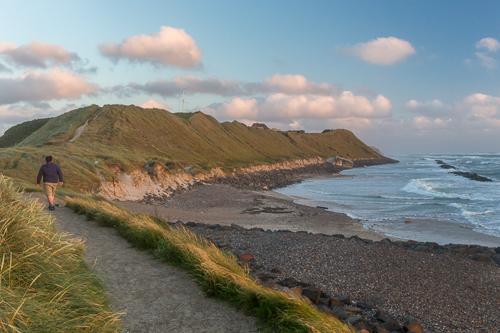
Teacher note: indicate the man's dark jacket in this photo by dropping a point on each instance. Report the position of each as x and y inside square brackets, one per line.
[50, 172]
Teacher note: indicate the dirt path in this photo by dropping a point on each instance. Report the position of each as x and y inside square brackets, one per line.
[154, 296]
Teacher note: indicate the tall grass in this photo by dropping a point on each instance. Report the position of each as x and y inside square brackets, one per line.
[216, 271]
[45, 284]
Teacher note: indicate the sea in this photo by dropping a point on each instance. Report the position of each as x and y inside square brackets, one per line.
[417, 188]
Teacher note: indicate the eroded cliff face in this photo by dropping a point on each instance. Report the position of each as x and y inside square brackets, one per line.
[157, 179]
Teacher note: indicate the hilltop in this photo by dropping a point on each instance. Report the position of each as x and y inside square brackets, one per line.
[96, 144]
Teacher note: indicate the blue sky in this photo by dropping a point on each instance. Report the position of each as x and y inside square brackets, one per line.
[405, 76]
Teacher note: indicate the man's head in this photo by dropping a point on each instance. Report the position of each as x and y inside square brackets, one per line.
[48, 159]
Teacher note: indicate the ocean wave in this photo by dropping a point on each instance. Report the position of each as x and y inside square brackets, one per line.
[422, 187]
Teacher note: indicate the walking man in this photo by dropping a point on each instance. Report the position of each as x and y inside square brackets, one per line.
[51, 173]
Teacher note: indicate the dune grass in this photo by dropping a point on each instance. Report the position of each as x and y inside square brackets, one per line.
[45, 284]
[216, 271]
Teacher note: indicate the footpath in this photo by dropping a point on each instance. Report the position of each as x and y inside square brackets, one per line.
[153, 296]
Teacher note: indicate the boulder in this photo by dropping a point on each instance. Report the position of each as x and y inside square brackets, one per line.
[335, 301]
[482, 257]
[312, 292]
[496, 259]
[412, 325]
[297, 290]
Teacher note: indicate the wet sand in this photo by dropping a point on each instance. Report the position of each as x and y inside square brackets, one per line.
[226, 205]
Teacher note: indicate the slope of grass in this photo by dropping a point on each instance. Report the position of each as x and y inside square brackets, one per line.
[216, 271]
[18, 133]
[125, 138]
[46, 286]
[61, 128]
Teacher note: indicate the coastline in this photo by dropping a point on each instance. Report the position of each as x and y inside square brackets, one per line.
[421, 230]
[399, 278]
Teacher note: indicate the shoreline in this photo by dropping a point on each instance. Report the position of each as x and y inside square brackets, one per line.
[422, 230]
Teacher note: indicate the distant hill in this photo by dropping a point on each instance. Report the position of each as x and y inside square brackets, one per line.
[125, 138]
[18, 133]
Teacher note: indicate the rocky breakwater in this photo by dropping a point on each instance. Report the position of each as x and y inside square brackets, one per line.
[469, 175]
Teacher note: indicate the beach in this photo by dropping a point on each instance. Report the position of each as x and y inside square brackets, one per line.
[446, 291]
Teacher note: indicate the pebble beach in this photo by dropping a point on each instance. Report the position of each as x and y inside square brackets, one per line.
[447, 290]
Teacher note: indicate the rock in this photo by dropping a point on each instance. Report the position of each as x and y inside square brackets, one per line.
[473, 250]
[335, 301]
[352, 310]
[409, 221]
[379, 328]
[415, 327]
[308, 301]
[392, 326]
[289, 282]
[330, 313]
[432, 245]
[389, 323]
[312, 292]
[339, 312]
[496, 259]
[481, 257]
[344, 299]
[275, 271]
[226, 228]
[320, 307]
[246, 257]
[365, 305]
[297, 290]
[325, 301]
[497, 250]
[422, 248]
[352, 319]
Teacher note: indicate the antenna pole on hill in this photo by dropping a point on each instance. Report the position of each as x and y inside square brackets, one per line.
[183, 102]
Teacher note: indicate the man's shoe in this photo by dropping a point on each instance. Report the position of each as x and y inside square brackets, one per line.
[52, 207]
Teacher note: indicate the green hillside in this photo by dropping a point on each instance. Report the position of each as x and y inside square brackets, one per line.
[126, 137]
[19, 132]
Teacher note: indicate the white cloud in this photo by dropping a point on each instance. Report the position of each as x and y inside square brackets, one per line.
[152, 104]
[381, 51]
[278, 106]
[297, 84]
[37, 54]
[486, 60]
[33, 86]
[434, 107]
[169, 46]
[489, 43]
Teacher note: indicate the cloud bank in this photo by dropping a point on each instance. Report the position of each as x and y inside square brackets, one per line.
[169, 46]
[381, 51]
[284, 84]
[37, 55]
[279, 106]
[34, 86]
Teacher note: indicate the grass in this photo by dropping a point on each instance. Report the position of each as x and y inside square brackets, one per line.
[125, 138]
[216, 271]
[45, 284]
[18, 133]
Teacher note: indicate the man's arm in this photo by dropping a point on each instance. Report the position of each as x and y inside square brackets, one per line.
[39, 177]
[59, 173]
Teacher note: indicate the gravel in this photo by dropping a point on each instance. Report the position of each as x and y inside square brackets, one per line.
[447, 292]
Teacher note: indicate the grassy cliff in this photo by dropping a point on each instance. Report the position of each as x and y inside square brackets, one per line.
[18, 133]
[124, 138]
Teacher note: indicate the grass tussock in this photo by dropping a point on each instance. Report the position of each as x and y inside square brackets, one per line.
[45, 284]
[216, 271]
